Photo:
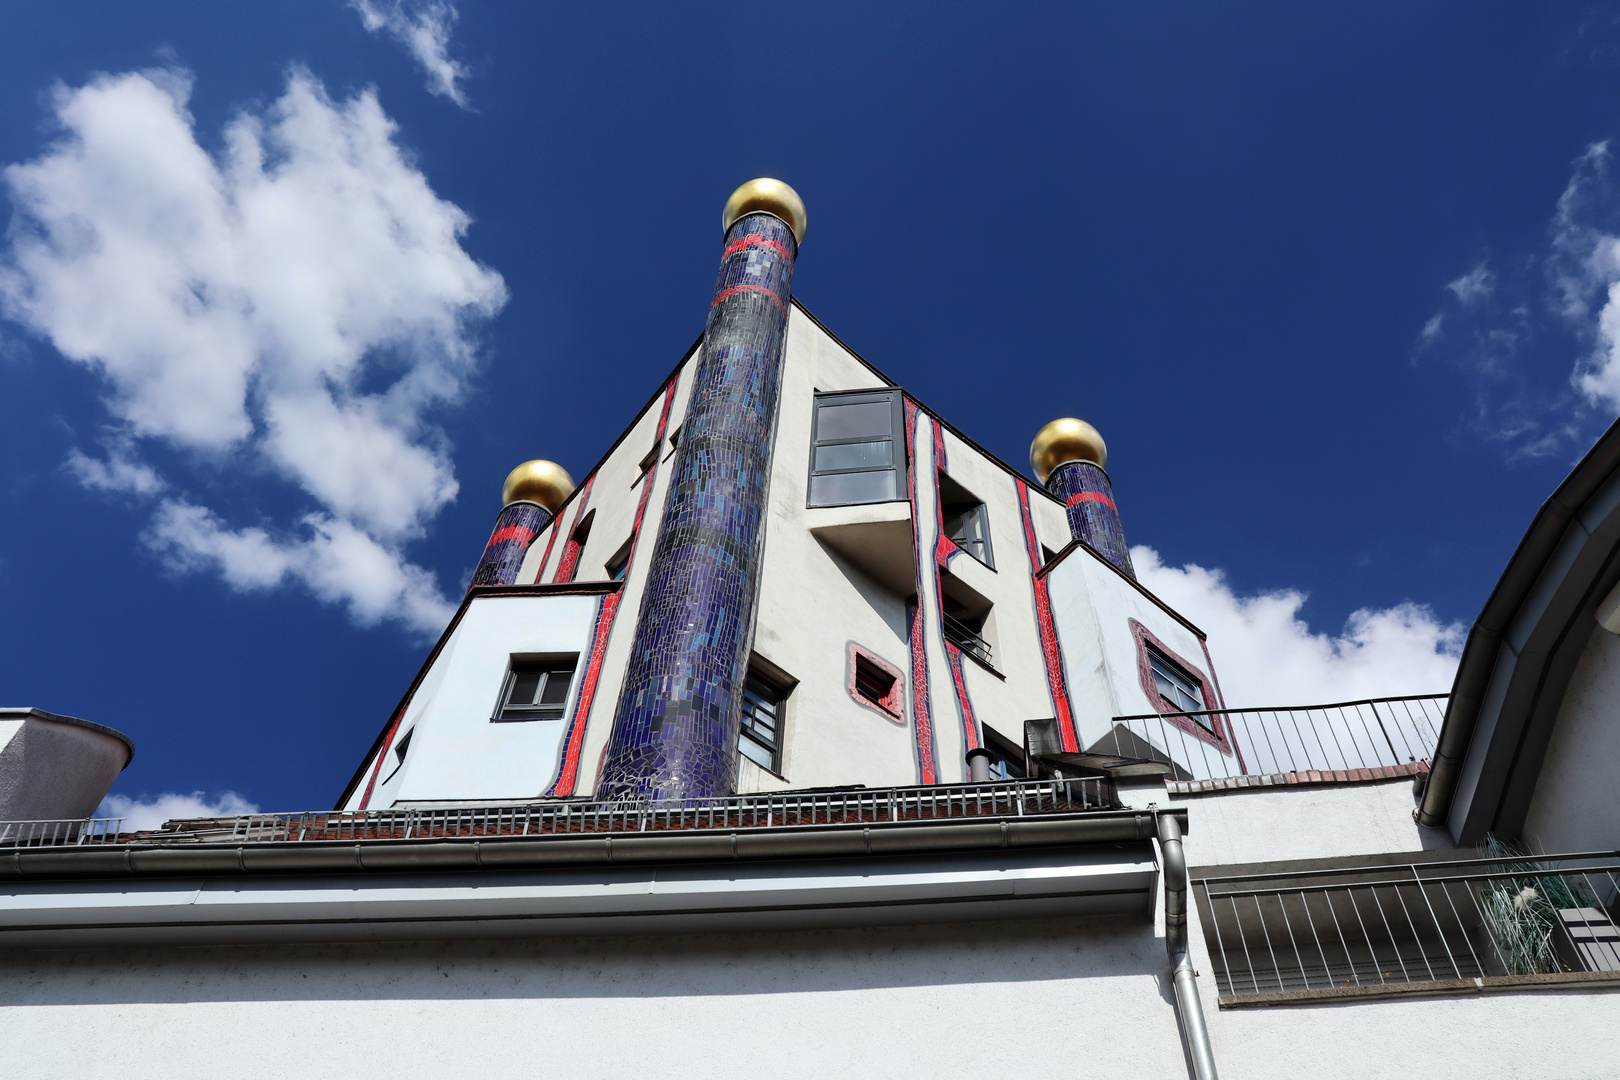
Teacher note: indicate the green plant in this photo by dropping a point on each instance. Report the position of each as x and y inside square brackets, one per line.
[1521, 911]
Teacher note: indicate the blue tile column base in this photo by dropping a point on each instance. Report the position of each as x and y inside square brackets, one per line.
[515, 529]
[1089, 497]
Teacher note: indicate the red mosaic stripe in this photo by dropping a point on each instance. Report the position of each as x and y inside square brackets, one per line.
[568, 565]
[922, 718]
[735, 289]
[512, 532]
[756, 241]
[568, 775]
[1090, 496]
[1051, 650]
[944, 548]
[382, 755]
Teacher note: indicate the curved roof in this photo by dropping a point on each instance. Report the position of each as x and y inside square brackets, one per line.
[1521, 652]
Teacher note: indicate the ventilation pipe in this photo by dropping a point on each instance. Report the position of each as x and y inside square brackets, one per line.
[1188, 1006]
[978, 760]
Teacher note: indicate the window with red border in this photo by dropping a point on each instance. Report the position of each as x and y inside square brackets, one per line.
[876, 684]
[1176, 688]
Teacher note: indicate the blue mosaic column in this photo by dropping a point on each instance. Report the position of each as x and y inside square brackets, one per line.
[675, 732]
[515, 529]
[1086, 492]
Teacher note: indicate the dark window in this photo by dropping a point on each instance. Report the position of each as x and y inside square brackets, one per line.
[536, 690]
[1181, 689]
[401, 748]
[1047, 555]
[760, 739]
[858, 452]
[617, 565]
[1007, 757]
[646, 464]
[874, 684]
[965, 520]
[965, 614]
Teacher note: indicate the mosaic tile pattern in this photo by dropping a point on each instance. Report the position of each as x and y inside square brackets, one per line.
[607, 612]
[568, 563]
[1093, 517]
[515, 529]
[1217, 735]
[944, 549]
[922, 712]
[675, 732]
[1057, 683]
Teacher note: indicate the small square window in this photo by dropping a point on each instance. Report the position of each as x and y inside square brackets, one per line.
[536, 690]
[760, 738]
[1176, 686]
[401, 748]
[646, 465]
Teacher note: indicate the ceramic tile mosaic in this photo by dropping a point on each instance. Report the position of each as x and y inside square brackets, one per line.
[1093, 517]
[922, 712]
[675, 731]
[515, 530]
[944, 550]
[1057, 683]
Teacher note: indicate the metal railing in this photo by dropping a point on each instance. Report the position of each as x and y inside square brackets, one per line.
[60, 833]
[1384, 926]
[1344, 738]
[967, 639]
[777, 810]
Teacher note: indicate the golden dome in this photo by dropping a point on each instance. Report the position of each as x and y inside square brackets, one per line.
[1063, 440]
[543, 482]
[771, 196]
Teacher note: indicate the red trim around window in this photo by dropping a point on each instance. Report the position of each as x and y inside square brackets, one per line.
[1216, 734]
[893, 705]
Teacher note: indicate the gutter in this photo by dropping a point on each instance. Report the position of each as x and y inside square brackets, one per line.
[1485, 638]
[279, 858]
[1188, 1006]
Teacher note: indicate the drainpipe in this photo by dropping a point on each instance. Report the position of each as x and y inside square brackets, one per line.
[1188, 1006]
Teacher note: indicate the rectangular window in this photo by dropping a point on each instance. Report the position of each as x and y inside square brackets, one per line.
[620, 562]
[965, 520]
[646, 465]
[760, 739]
[875, 685]
[536, 690]
[1007, 757]
[1177, 687]
[858, 451]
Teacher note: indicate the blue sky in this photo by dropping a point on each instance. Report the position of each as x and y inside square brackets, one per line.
[285, 297]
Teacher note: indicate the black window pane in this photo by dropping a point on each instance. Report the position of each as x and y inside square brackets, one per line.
[855, 420]
[556, 690]
[860, 455]
[839, 488]
[524, 686]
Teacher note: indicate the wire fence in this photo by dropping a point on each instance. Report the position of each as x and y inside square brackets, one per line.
[1412, 923]
[855, 806]
[1345, 739]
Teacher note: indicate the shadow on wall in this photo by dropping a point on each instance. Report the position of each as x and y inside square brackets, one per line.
[717, 965]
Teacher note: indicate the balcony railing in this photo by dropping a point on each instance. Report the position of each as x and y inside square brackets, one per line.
[1499, 920]
[75, 832]
[1348, 740]
[790, 809]
[968, 640]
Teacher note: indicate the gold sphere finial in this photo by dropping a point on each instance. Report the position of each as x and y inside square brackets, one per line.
[771, 196]
[1064, 440]
[543, 482]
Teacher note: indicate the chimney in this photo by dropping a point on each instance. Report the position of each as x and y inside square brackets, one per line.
[533, 492]
[1068, 456]
[675, 731]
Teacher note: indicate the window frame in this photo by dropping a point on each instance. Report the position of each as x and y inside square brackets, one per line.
[892, 706]
[548, 665]
[621, 560]
[1208, 728]
[978, 510]
[745, 730]
[896, 437]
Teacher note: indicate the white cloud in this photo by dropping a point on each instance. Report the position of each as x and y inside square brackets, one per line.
[423, 27]
[1265, 654]
[1474, 286]
[150, 812]
[297, 304]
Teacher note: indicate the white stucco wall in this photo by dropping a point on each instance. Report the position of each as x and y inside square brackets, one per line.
[994, 999]
[52, 770]
[1576, 804]
[456, 752]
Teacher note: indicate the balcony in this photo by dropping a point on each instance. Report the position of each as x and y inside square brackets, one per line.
[1223, 749]
[1501, 922]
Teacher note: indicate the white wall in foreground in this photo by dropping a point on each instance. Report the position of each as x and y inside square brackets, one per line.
[995, 1000]
[1576, 804]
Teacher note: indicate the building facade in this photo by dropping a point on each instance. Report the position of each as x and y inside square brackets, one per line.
[804, 736]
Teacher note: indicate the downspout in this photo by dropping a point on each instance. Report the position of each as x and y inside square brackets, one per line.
[1188, 1007]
